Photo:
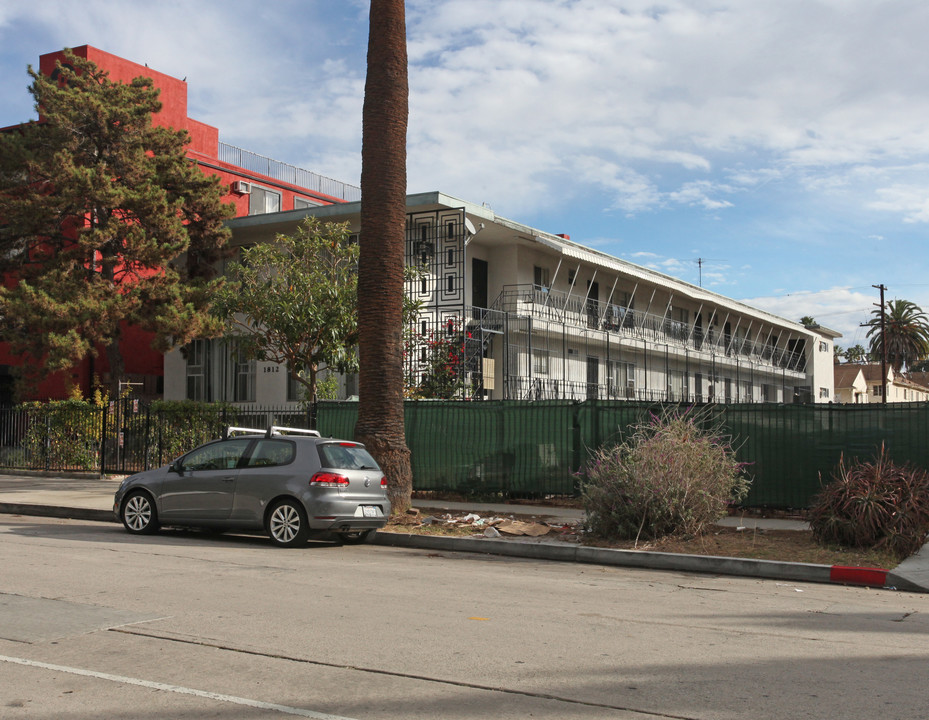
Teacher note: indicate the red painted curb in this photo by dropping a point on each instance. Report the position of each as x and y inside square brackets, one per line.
[872, 577]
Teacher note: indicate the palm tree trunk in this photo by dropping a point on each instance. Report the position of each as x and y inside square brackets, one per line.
[382, 242]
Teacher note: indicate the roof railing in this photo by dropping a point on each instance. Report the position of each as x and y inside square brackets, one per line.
[288, 173]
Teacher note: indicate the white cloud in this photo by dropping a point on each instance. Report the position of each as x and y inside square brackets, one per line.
[911, 201]
[699, 193]
[840, 308]
[642, 108]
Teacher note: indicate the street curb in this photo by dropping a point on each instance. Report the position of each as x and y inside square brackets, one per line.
[564, 552]
[58, 512]
[707, 564]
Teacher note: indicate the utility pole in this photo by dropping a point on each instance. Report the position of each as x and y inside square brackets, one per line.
[883, 347]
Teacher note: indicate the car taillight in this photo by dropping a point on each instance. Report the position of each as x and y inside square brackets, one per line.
[383, 482]
[328, 479]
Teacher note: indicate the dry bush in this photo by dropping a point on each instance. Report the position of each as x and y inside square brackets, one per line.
[670, 477]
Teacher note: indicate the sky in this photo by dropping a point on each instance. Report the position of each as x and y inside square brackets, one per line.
[774, 151]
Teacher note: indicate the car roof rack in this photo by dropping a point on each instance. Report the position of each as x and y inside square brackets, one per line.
[268, 432]
[279, 430]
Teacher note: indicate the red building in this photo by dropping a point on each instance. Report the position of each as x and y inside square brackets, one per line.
[255, 184]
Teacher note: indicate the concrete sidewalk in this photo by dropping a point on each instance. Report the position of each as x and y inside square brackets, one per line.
[89, 497]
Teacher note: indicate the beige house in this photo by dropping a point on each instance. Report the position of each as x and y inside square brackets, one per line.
[850, 384]
[862, 384]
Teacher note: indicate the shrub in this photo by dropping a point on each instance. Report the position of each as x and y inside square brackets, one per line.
[670, 477]
[873, 504]
[183, 425]
[63, 435]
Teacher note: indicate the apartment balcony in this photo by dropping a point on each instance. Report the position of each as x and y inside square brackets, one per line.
[574, 311]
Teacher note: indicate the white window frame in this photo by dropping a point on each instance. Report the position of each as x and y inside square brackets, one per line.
[300, 203]
[266, 194]
[540, 361]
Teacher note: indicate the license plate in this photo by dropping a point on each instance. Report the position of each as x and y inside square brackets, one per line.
[369, 510]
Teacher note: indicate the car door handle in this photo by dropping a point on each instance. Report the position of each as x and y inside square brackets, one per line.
[229, 479]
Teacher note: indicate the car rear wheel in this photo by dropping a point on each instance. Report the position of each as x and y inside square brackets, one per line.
[355, 538]
[287, 524]
[139, 515]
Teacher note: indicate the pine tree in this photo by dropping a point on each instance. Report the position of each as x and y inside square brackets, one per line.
[105, 222]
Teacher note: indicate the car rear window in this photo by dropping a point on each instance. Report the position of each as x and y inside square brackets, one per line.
[345, 456]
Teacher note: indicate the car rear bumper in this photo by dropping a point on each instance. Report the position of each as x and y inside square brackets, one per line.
[348, 515]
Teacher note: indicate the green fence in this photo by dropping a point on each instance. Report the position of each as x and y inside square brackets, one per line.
[515, 449]
[526, 449]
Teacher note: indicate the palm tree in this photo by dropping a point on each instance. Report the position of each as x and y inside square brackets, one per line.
[857, 354]
[382, 243]
[906, 329]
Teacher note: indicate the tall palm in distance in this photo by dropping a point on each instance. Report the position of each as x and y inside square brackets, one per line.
[857, 354]
[906, 329]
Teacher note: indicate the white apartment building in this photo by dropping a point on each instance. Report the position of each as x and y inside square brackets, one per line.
[533, 315]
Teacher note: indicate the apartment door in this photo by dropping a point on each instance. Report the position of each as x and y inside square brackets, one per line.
[698, 331]
[479, 271]
[593, 304]
[593, 378]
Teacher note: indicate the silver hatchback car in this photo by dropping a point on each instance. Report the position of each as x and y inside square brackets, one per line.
[288, 482]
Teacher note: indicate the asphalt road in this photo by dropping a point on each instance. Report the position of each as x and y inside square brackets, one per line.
[95, 623]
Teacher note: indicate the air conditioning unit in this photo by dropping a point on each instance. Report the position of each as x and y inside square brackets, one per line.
[241, 187]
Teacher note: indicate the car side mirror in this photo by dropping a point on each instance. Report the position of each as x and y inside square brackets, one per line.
[176, 467]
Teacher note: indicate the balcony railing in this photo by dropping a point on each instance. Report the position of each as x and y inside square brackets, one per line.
[288, 173]
[523, 388]
[558, 306]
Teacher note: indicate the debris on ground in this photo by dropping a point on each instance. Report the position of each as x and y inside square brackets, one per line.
[495, 527]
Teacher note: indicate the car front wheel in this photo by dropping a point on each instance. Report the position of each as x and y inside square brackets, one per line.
[139, 515]
[287, 524]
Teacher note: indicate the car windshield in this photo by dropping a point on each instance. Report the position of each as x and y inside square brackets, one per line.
[346, 456]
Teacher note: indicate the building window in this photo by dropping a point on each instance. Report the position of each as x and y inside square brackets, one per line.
[539, 362]
[540, 277]
[218, 371]
[261, 201]
[621, 378]
[197, 366]
[300, 203]
[824, 392]
[243, 371]
[823, 346]
[450, 283]
[878, 390]
[296, 391]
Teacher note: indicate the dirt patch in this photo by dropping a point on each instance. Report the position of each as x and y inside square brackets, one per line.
[761, 544]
